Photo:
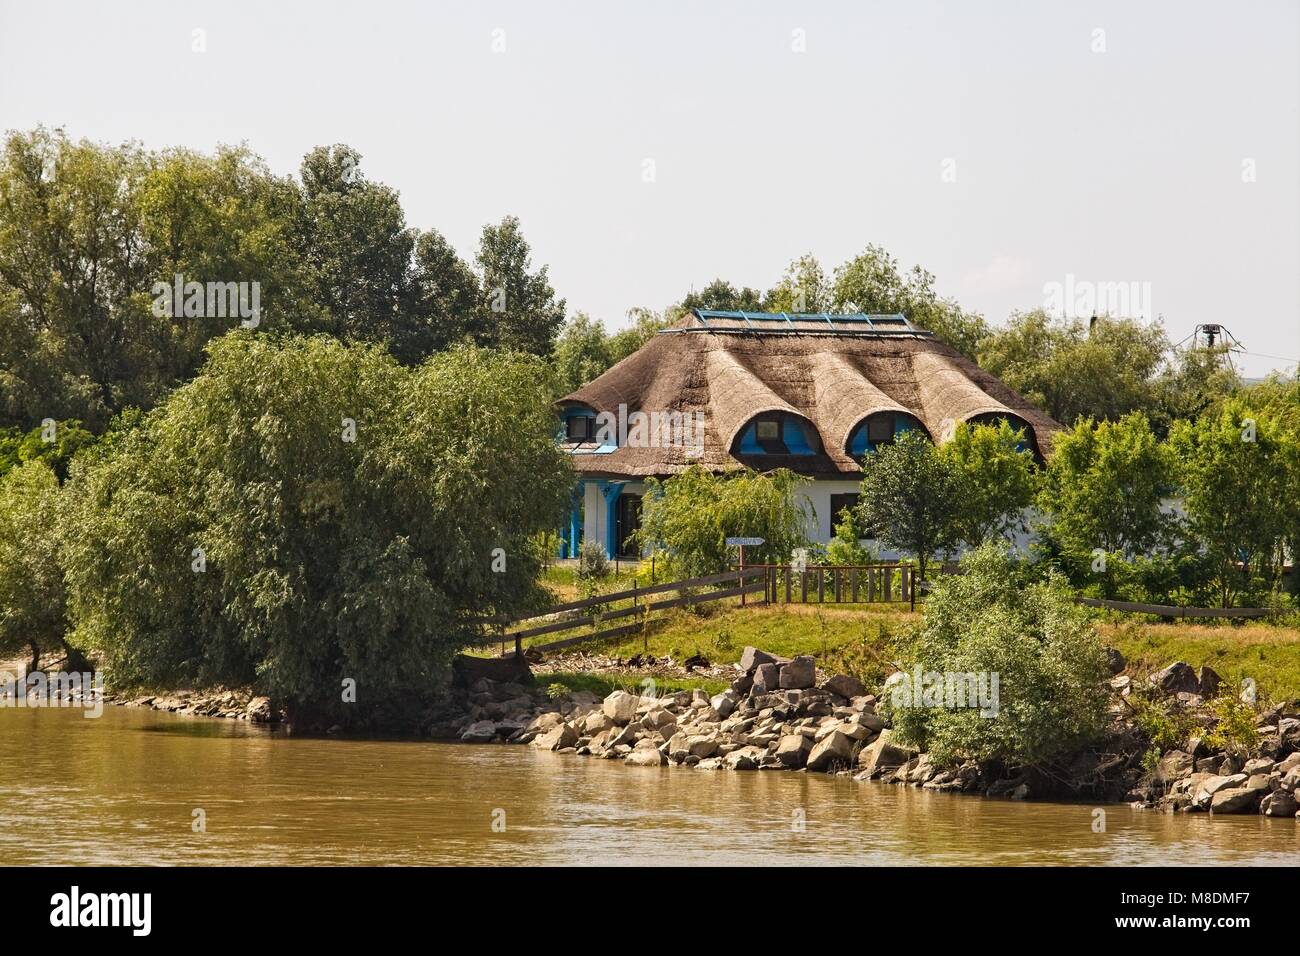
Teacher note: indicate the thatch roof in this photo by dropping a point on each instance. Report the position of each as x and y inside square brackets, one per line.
[830, 372]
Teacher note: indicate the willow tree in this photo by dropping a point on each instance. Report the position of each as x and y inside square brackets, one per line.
[318, 520]
[688, 518]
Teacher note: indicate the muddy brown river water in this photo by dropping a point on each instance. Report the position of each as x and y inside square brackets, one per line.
[124, 788]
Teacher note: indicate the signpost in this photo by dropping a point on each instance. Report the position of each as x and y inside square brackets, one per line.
[742, 543]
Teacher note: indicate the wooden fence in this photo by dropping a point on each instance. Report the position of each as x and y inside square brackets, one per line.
[602, 608]
[839, 583]
[1173, 610]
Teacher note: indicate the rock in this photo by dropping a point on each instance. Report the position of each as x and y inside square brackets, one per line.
[832, 751]
[1212, 785]
[793, 749]
[799, 673]
[1278, 804]
[844, 686]
[746, 758]
[1258, 765]
[881, 755]
[467, 671]
[1178, 676]
[1209, 681]
[1235, 800]
[1173, 766]
[597, 721]
[557, 738]
[1289, 763]
[766, 679]
[620, 706]
[752, 658]
[723, 704]
[259, 710]
[700, 746]
[480, 732]
[1115, 662]
[741, 685]
[648, 757]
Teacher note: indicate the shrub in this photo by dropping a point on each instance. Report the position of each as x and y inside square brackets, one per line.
[688, 518]
[995, 619]
[246, 532]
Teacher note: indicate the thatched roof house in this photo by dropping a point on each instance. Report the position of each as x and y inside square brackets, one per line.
[812, 393]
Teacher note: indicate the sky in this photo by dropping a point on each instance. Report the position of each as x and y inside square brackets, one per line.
[1027, 154]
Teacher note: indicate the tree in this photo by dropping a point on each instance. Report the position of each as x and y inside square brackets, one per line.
[519, 307]
[86, 233]
[995, 622]
[872, 283]
[998, 476]
[723, 296]
[688, 517]
[1071, 371]
[306, 513]
[357, 250]
[582, 352]
[444, 297]
[31, 577]
[912, 498]
[1104, 488]
[54, 444]
[1232, 467]
[804, 288]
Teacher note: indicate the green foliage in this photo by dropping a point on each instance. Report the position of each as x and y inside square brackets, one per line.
[998, 477]
[1235, 469]
[323, 558]
[1051, 668]
[1071, 371]
[871, 282]
[688, 517]
[844, 547]
[1104, 487]
[31, 576]
[519, 308]
[1235, 722]
[912, 498]
[68, 439]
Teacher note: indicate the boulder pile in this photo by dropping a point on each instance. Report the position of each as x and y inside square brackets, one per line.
[783, 714]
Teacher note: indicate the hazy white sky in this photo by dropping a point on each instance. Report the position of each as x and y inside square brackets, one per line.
[1119, 166]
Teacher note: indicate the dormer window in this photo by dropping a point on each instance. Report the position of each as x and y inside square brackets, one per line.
[580, 428]
[775, 433]
[878, 429]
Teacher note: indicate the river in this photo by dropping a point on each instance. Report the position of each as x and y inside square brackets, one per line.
[124, 788]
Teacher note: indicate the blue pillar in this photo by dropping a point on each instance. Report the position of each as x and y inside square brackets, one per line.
[575, 521]
[611, 490]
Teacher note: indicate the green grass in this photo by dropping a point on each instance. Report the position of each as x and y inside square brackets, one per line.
[721, 631]
[1266, 653]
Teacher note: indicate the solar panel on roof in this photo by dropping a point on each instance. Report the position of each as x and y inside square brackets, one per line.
[769, 323]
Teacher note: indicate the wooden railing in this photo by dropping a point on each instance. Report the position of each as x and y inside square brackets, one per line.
[599, 610]
[1173, 610]
[839, 583]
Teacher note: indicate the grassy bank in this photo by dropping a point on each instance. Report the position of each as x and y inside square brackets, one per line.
[863, 640]
[1266, 653]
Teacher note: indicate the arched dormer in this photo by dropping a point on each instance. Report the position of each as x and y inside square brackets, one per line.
[580, 431]
[777, 433]
[1028, 441]
[880, 428]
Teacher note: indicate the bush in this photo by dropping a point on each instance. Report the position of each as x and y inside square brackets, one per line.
[996, 620]
[247, 532]
[31, 578]
[687, 519]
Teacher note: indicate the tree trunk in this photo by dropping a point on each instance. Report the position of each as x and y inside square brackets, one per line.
[36, 656]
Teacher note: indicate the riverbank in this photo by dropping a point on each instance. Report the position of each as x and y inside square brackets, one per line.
[786, 714]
